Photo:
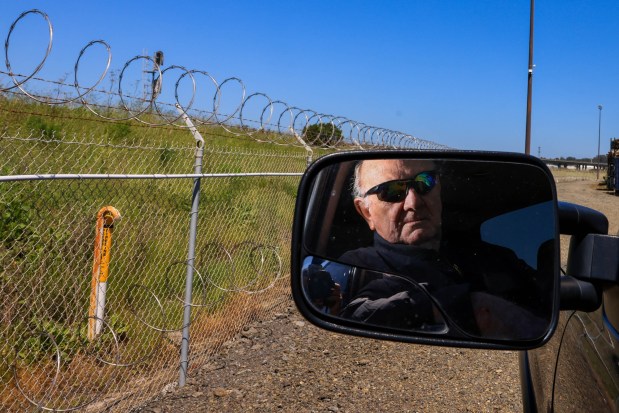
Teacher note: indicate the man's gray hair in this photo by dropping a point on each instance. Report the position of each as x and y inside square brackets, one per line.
[356, 185]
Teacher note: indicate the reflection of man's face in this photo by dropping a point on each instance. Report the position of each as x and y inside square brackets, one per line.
[416, 220]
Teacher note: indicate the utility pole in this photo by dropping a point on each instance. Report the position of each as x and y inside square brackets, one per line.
[157, 69]
[599, 133]
[527, 142]
[155, 81]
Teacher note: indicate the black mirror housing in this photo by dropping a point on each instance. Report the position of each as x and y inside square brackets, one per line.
[593, 262]
[489, 279]
[595, 258]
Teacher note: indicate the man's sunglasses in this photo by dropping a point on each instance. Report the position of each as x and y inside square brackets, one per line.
[396, 191]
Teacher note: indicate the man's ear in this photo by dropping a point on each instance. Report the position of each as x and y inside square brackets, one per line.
[363, 209]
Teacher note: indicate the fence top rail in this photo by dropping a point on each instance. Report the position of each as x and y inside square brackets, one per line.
[43, 177]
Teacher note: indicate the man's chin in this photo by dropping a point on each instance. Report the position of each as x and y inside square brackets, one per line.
[422, 240]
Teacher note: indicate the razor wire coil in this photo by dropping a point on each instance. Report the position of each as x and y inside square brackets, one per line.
[135, 108]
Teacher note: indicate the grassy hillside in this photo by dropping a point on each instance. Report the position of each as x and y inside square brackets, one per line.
[48, 226]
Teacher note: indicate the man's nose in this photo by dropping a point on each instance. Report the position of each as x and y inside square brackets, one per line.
[413, 200]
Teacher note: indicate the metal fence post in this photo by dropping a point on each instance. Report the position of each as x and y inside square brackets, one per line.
[308, 149]
[193, 229]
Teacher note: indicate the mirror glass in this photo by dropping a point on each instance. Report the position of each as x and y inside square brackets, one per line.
[452, 248]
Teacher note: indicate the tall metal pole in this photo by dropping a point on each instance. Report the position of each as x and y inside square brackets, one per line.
[599, 133]
[193, 229]
[527, 143]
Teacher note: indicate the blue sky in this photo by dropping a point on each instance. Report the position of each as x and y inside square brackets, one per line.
[453, 72]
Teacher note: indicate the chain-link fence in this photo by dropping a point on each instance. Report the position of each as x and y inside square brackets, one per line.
[58, 352]
[128, 252]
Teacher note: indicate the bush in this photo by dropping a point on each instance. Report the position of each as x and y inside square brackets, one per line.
[323, 134]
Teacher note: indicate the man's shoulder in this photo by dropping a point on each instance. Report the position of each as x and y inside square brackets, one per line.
[361, 257]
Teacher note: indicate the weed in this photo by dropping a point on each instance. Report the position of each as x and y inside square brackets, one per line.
[166, 155]
[118, 132]
[40, 128]
[16, 217]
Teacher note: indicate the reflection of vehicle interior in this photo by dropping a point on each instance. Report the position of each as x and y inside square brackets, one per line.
[373, 297]
[350, 279]
[464, 209]
[342, 228]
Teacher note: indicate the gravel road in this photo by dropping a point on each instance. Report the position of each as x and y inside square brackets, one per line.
[287, 365]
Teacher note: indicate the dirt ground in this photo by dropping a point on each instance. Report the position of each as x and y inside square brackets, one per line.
[287, 365]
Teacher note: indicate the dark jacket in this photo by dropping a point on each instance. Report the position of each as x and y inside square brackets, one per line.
[417, 280]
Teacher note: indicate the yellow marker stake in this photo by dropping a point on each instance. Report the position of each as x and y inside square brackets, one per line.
[100, 269]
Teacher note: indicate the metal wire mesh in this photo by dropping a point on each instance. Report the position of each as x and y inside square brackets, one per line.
[96, 199]
[47, 235]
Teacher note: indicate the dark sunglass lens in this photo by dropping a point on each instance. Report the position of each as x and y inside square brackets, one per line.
[394, 191]
[424, 182]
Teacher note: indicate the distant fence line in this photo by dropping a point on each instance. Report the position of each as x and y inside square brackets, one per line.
[575, 164]
[198, 241]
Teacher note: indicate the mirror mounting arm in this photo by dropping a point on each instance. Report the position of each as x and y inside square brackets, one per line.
[593, 259]
[579, 295]
[578, 221]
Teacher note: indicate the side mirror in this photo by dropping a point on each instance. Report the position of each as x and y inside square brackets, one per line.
[448, 248]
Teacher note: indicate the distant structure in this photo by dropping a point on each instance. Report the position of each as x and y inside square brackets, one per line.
[573, 163]
[612, 176]
[152, 83]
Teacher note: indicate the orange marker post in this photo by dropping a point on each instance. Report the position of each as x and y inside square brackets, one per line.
[100, 269]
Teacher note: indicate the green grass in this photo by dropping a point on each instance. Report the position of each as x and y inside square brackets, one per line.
[47, 228]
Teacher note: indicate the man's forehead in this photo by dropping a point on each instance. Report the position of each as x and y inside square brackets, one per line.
[389, 169]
